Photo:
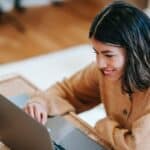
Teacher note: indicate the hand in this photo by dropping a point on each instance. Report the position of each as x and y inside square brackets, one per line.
[37, 111]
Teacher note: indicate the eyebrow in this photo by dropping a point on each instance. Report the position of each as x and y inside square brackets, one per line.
[103, 51]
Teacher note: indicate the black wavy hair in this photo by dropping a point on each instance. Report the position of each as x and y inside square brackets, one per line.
[129, 27]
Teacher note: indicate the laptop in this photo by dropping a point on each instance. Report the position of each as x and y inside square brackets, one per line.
[20, 132]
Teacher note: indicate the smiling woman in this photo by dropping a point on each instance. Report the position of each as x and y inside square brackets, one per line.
[120, 79]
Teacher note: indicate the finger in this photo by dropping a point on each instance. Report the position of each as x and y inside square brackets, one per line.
[31, 111]
[43, 118]
[25, 109]
[37, 114]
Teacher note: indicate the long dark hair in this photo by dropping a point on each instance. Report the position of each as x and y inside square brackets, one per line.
[128, 27]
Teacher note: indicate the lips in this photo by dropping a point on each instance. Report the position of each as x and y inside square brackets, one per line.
[108, 72]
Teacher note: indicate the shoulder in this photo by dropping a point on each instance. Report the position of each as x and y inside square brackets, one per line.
[92, 67]
[91, 70]
[145, 94]
[90, 74]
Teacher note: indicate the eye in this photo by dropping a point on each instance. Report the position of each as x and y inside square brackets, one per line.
[109, 55]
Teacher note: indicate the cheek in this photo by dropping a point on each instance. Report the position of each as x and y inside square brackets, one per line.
[119, 63]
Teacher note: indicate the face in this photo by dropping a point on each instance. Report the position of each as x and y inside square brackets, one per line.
[110, 59]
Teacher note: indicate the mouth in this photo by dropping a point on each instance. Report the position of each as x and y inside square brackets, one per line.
[108, 72]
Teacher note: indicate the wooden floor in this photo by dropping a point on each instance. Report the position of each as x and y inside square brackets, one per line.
[46, 29]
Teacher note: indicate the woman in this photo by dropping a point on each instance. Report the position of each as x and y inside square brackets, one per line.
[120, 79]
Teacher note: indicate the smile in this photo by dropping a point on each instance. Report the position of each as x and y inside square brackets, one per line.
[107, 72]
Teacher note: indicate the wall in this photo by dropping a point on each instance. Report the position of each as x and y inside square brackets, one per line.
[7, 5]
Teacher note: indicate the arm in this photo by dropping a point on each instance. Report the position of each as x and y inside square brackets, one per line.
[81, 90]
[123, 139]
[77, 93]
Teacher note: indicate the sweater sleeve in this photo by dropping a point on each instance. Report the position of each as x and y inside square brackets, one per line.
[78, 93]
[123, 139]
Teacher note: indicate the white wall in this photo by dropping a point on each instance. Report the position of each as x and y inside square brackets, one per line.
[7, 5]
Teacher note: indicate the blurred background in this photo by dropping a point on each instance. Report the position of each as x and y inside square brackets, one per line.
[33, 27]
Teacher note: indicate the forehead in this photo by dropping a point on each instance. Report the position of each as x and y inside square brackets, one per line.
[101, 46]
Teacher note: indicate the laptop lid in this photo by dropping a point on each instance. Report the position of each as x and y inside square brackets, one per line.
[19, 131]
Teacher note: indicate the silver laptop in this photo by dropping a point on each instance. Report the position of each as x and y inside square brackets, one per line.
[20, 132]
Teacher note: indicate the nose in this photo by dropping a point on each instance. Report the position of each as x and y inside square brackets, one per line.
[101, 62]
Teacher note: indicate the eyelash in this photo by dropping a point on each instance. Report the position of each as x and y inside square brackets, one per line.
[109, 55]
